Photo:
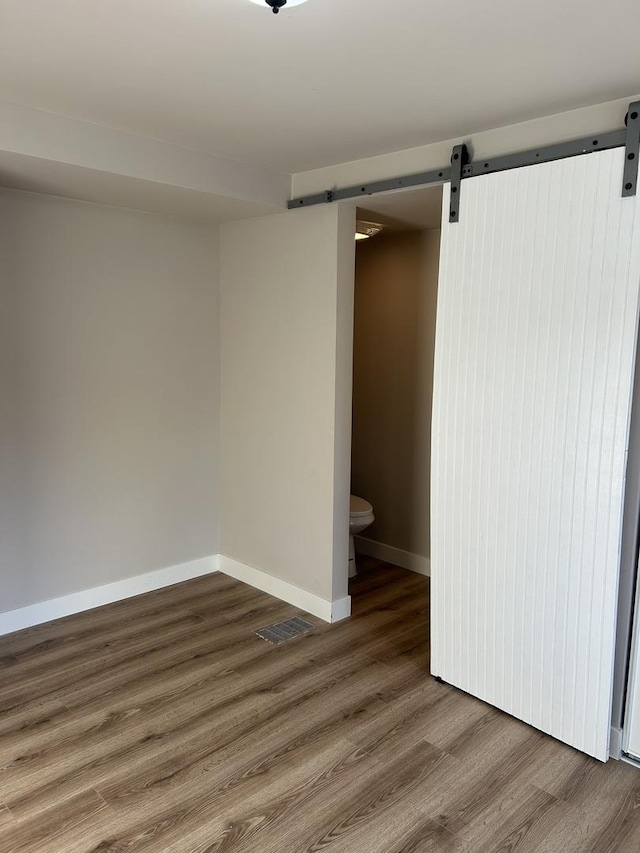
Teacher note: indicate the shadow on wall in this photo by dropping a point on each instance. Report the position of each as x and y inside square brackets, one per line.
[394, 333]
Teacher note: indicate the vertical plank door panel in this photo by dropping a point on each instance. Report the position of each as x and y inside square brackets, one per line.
[535, 347]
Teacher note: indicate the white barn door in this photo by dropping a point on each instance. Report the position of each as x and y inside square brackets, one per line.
[535, 343]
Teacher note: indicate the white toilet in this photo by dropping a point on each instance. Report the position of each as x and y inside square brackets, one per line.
[360, 517]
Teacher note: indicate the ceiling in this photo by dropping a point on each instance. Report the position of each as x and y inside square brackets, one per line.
[410, 210]
[323, 83]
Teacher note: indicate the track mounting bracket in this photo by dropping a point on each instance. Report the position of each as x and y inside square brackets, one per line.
[631, 151]
[459, 159]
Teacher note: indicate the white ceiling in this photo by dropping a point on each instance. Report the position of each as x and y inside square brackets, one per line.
[322, 83]
[409, 210]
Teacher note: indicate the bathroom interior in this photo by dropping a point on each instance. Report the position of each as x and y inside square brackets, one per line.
[396, 279]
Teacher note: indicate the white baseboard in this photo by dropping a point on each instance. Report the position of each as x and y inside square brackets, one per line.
[615, 743]
[329, 611]
[396, 556]
[341, 609]
[76, 602]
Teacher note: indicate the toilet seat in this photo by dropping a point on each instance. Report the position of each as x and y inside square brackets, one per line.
[360, 518]
[358, 507]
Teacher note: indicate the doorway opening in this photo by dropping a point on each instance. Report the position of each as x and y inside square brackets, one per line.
[396, 282]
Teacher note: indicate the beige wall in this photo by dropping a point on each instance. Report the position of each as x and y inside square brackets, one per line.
[395, 309]
[547, 130]
[286, 308]
[108, 395]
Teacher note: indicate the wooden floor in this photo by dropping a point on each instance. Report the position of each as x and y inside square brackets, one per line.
[163, 724]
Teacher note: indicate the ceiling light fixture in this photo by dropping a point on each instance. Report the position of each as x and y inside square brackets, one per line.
[364, 230]
[276, 5]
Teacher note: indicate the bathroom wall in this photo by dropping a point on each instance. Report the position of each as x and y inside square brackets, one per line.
[286, 357]
[395, 309]
[108, 395]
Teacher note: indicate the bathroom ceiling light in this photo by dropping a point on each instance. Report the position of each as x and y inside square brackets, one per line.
[364, 230]
[276, 5]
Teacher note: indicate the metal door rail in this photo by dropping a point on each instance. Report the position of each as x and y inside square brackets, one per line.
[628, 138]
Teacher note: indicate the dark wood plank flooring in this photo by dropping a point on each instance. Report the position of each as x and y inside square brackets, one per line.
[162, 724]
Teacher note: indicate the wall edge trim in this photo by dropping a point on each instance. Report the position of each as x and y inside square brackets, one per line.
[615, 743]
[390, 554]
[87, 599]
[328, 611]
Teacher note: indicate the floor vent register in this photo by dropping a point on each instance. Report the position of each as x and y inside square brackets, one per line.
[287, 630]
